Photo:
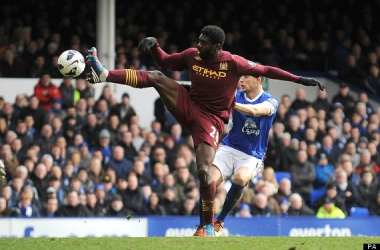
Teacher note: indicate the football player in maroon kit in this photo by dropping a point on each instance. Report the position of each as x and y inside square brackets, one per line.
[206, 106]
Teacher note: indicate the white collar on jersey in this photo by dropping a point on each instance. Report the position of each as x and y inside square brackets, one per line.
[254, 99]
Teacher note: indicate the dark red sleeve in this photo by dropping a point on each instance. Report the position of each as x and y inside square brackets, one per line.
[246, 67]
[176, 61]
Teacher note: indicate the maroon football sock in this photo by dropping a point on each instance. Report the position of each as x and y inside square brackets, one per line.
[208, 202]
[130, 77]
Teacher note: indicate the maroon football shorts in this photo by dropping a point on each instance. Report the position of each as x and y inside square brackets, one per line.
[203, 125]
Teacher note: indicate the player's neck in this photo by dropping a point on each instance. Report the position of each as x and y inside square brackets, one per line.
[254, 93]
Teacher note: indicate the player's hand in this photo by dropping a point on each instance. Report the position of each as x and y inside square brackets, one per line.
[146, 44]
[311, 82]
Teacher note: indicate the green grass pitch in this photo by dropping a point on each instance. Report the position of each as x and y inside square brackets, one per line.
[184, 243]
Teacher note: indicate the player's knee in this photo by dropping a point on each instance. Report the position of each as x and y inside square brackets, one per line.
[155, 77]
[240, 180]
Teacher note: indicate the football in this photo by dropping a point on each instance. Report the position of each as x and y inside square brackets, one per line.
[71, 63]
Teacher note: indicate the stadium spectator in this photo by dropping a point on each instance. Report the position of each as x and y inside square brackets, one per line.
[100, 193]
[288, 153]
[85, 89]
[330, 211]
[350, 149]
[46, 139]
[117, 207]
[68, 93]
[38, 67]
[124, 110]
[188, 207]
[90, 131]
[92, 206]
[73, 207]
[9, 159]
[346, 190]
[4, 209]
[297, 207]
[11, 66]
[367, 189]
[86, 182]
[144, 177]
[25, 207]
[332, 153]
[169, 203]
[352, 72]
[55, 182]
[46, 92]
[303, 176]
[260, 206]
[300, 101]
[34, 116]
[324, 172]
[322, 101]
[365, 160]
[332, 193]
[51, 207]
[126, 142]
[374, 207]
[182, 179]
[153, 207]
[119, 163]
[159, 172]
[352, 176]
[372, 81]
[133, 198]
[271, 201]
[270, 179]
[284, 190]
[343, 97]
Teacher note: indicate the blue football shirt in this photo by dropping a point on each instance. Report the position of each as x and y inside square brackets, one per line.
[249, 134]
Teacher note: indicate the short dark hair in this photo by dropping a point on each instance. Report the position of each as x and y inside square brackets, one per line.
[215, 34]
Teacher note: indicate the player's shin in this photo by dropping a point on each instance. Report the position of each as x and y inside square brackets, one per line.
[232, 198]
[208, 202]
[130, 77]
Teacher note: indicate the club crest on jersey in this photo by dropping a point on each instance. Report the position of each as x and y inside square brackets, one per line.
[251, 63]
[223, 66]
[250, 127]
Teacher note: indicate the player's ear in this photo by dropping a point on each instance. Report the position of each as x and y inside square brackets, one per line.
[217, 46]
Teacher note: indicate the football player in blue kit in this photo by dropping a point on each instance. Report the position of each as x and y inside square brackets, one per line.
[242, 151]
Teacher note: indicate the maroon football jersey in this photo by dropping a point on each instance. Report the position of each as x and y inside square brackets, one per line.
[214, 81]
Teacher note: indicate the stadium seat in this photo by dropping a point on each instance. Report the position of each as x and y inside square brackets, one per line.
[316, 194]
[359, 212]
[280, 175]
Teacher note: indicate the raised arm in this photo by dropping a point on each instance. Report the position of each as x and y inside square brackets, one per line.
[175, 61]
[246, 67]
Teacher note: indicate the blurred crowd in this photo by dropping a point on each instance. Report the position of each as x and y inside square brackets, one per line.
[296, 36]
[69, 154]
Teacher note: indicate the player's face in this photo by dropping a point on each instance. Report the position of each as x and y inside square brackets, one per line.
[249, 83]
[206, 48]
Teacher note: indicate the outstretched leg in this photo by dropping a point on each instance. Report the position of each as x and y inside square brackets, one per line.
[166, 87]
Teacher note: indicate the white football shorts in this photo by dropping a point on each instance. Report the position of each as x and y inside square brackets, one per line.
[228, 160]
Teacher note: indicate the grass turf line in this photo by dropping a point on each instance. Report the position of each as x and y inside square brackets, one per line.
[169, 243]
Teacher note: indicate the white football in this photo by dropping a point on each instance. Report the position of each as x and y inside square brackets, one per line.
[71, 63]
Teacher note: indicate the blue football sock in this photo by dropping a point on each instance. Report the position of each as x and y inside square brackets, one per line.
[232, 198]
[201, 222]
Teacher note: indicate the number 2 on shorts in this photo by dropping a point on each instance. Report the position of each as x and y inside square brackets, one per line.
[214, 134]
